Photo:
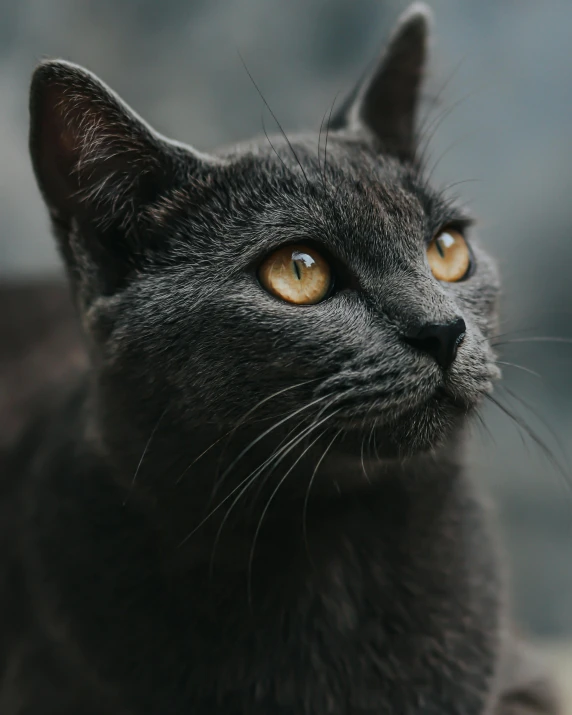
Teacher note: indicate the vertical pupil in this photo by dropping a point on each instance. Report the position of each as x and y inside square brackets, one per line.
[440, 248]
[297, 270]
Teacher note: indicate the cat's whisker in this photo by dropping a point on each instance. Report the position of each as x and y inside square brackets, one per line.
[309, 489]
[525, 427]
[535, 414]
[447, 150]
[322, 172]
[219, 482]
[328, 134]
[484, 426]
[263, 98]
[271, 429]
[432, 104]
[286, 168]
[291, 444]
[277, 456]
[531, 326]
[201, 455]
[368, 412]
[146, 449]
[519, 367]
[366, 475]
[453, 184]
[535, 339]
[241, 422]
[245, 484]
[435, 125]
[245, 451]
[271, 498]
[265, 510]
[274, 459]
[282, 447]
[375, 439]
[243, 419]
[369, 441]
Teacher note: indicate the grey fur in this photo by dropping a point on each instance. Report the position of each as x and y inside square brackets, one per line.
[357, 574]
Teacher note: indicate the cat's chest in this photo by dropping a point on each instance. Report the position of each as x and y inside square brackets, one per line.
[370, 616]
[362, 635]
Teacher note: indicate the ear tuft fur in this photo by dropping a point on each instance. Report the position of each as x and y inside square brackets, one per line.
[385, 101]
[91, 153]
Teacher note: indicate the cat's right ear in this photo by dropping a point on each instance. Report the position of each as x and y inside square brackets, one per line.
[98, 165]
[384, 103]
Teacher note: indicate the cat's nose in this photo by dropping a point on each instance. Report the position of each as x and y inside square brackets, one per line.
[440, 340]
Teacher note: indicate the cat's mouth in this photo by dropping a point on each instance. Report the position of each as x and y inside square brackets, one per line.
[412, 414]
[415, 428]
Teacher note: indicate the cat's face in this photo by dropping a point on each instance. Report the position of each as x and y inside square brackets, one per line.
[206, 325]
[182, 266]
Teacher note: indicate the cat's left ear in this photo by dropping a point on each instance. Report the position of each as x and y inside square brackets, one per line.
[91, 153]
[99, 166]
[385, 102]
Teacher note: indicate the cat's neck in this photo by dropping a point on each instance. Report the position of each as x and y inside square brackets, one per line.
[230, 485]
[214, 504]
[114, 547]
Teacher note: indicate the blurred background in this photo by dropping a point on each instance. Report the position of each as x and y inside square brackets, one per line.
[499, 107]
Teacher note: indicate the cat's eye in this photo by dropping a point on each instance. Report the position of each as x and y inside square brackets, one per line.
[449, 256]
[297, 274]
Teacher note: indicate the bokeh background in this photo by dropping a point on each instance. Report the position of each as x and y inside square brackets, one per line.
[499, 103]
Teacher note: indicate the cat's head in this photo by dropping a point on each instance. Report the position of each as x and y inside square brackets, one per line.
[314, 277]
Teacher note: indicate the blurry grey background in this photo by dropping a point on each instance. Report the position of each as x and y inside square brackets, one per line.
[507, 127]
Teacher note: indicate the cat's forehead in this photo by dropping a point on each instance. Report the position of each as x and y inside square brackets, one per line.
[322, 176]
[363, 205]
[315, 157]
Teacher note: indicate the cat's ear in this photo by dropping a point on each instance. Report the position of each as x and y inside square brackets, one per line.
[385, 101]
[97, 164]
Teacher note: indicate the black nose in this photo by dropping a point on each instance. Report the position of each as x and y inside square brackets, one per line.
[440, 340]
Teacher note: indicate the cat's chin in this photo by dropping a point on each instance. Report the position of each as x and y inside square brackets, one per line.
[422, 430]
[419, 430]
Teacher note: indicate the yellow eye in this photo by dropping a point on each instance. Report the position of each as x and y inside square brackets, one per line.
[297, 274]
[449, 256]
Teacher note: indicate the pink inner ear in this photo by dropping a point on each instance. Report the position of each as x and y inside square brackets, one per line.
[70, 123]
[68, 138]
[56, 149]
[91, 154]
[72, 128]
[61, 139]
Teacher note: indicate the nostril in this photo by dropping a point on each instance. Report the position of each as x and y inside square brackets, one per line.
[439, 340]
[428, 345]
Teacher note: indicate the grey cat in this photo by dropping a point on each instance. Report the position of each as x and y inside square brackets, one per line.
[253, 502]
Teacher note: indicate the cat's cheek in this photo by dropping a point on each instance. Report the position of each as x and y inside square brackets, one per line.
[496, 374]
[471, 380]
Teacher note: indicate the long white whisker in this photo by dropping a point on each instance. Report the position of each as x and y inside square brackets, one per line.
[309, 489]
[268, 503]
[365, 474]
[277, 457]
[244, 451]
[520, 367]
[240, 422]
[144, 454]
[536, 339]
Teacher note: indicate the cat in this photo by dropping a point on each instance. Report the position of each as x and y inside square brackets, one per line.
[253, 501]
